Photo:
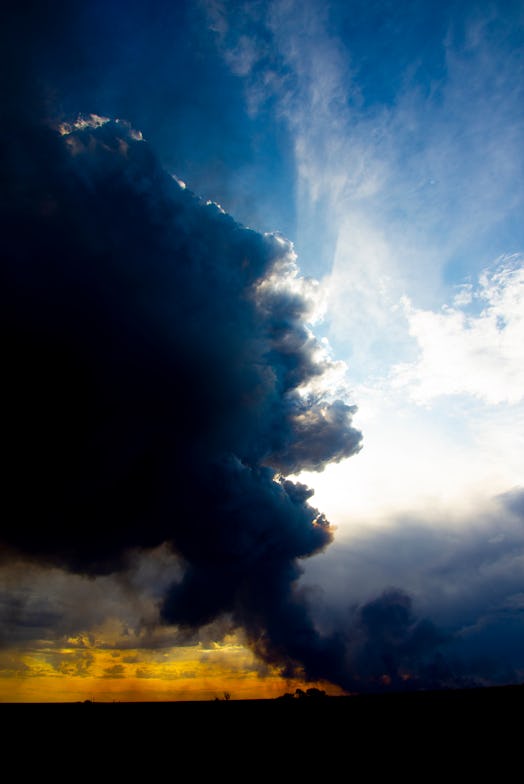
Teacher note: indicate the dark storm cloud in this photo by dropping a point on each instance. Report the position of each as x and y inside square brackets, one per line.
[157, 370]
[156, 65]
[456, 616]
[23, 618]
[390, 646]
[41, 603]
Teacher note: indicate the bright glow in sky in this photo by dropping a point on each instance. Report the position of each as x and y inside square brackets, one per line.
[458, 433]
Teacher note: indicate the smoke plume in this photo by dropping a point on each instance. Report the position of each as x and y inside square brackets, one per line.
[161, 382]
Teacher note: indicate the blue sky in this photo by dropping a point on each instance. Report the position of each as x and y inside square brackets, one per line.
[403, 163]
[385, 141]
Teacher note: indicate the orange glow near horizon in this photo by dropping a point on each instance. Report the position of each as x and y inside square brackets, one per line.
[78, 672]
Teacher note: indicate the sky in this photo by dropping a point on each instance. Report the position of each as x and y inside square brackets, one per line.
[264, 293]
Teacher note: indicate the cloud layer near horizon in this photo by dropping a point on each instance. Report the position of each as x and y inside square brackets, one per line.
[463, 573]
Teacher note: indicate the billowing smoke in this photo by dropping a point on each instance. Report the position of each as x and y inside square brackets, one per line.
[161, 381]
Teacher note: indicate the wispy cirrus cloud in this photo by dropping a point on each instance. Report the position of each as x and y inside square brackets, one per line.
[399, 192]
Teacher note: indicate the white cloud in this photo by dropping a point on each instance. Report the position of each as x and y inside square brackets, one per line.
[466, 446]
[475, 354]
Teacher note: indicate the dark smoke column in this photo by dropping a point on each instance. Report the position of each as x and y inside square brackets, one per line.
[161, 383]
